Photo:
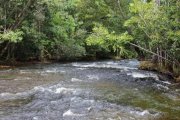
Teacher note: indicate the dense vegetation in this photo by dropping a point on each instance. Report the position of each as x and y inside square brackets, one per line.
[74, 29]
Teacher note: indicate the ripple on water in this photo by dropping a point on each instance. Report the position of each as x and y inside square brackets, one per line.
[91, 77]
[63, 90]
[75, 98]
[162, 87]
[143, 75]
[104, 65]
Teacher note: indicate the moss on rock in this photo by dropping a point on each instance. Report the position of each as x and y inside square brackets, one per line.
[177, 79]
[148, 65]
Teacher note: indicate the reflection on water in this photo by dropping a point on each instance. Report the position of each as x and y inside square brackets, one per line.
[105, 90]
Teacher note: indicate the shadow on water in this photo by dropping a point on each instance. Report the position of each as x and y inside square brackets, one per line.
[9, 106]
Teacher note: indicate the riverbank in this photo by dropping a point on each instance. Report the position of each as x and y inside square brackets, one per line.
[148, 65]
[14, 64]
[4, 66]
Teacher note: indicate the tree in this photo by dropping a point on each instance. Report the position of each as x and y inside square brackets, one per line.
[152, 25]
[105, 40]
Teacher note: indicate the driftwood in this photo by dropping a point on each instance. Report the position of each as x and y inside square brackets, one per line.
[155, 54]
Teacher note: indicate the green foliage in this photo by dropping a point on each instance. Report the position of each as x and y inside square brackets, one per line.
[71, 29]
[110, 41]
[156, 27]
[12, 36]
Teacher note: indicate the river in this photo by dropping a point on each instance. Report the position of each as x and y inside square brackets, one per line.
[101, 90]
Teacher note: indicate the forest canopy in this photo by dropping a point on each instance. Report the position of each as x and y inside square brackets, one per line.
[74, 29]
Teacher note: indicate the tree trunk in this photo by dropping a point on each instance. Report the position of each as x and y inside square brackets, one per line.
[21, 16]
[152, 53]
[120, 9]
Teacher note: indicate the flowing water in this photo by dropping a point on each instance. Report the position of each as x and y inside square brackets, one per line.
[104, 90]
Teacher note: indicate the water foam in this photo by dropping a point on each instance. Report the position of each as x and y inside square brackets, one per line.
[70, 113]
[91, 77]
[143, 113]
[104, 65]
[143, 75]
[75, 80]
[35, 118]
[24, 71]
[162, 87]
[63, 90]
[51, 71]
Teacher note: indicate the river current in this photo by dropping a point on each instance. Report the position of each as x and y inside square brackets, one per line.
[101, 90]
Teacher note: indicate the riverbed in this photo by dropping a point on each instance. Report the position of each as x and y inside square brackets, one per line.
[101, 90]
